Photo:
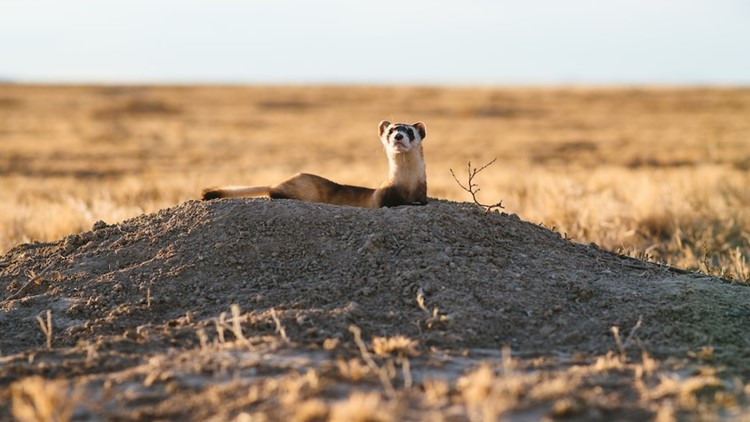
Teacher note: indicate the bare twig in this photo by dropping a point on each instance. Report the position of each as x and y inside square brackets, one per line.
[279, 328]
[236, 327]
[621, 346]
[46, 328]
[633, 331]
[220, 324]
[385, 380]
[616, 333]
[406, 370]
[509, 364]
[35, 280]
[473, 188]
[203, 338]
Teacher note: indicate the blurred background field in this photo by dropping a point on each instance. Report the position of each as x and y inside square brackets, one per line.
[657, 173]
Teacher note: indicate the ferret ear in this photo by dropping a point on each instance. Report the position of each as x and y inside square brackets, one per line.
[383, 126]
[421, 128]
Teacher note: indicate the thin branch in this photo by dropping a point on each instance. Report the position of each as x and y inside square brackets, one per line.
[46, 328]
[473, 188]
[35, 280]
[385, 380]
[279, 328]
[237, 327]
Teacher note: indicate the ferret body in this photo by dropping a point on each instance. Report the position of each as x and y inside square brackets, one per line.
[406, 183]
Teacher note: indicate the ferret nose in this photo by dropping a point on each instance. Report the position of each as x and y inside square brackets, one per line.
[399, 136]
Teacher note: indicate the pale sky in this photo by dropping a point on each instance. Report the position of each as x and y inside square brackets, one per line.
[469, 42]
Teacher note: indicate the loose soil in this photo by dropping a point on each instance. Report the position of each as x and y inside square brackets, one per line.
[248, 309]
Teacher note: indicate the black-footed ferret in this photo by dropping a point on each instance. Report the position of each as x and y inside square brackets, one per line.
[406, 183]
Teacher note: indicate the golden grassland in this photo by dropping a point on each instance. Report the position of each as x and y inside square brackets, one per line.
[661, 173]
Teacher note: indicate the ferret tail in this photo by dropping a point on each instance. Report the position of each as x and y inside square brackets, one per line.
[235, 192]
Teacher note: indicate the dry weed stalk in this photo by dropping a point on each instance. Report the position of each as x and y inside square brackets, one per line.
[236, 327]
[621, 346]
[398, 345]
[433, 318]
[402, 347]
[203, 338]
[385, 380]
[279, 328]
[46, 328]
[509, 364]
[220, 327]
[739, 263]
[473, 188]
[406, 370]
[34, 279]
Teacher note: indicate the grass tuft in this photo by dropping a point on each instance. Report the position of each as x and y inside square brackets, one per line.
[35, 399]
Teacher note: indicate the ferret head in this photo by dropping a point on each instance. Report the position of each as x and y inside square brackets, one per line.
[400, 137]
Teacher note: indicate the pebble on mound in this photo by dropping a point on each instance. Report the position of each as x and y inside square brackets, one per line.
[446, 274]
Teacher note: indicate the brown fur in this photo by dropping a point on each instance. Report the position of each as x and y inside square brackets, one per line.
[406, 183]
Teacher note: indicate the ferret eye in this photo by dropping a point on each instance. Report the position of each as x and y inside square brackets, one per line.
[411, 133]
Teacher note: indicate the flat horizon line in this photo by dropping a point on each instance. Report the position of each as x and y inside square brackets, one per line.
[238, 83]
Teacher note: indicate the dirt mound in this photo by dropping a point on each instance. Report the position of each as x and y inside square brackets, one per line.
[486, 280]
[447, 276]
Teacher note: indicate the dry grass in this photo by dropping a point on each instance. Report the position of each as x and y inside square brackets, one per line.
[35, 399]
[363, 407]
[398, 346]
[591, 391]
[658, 173]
